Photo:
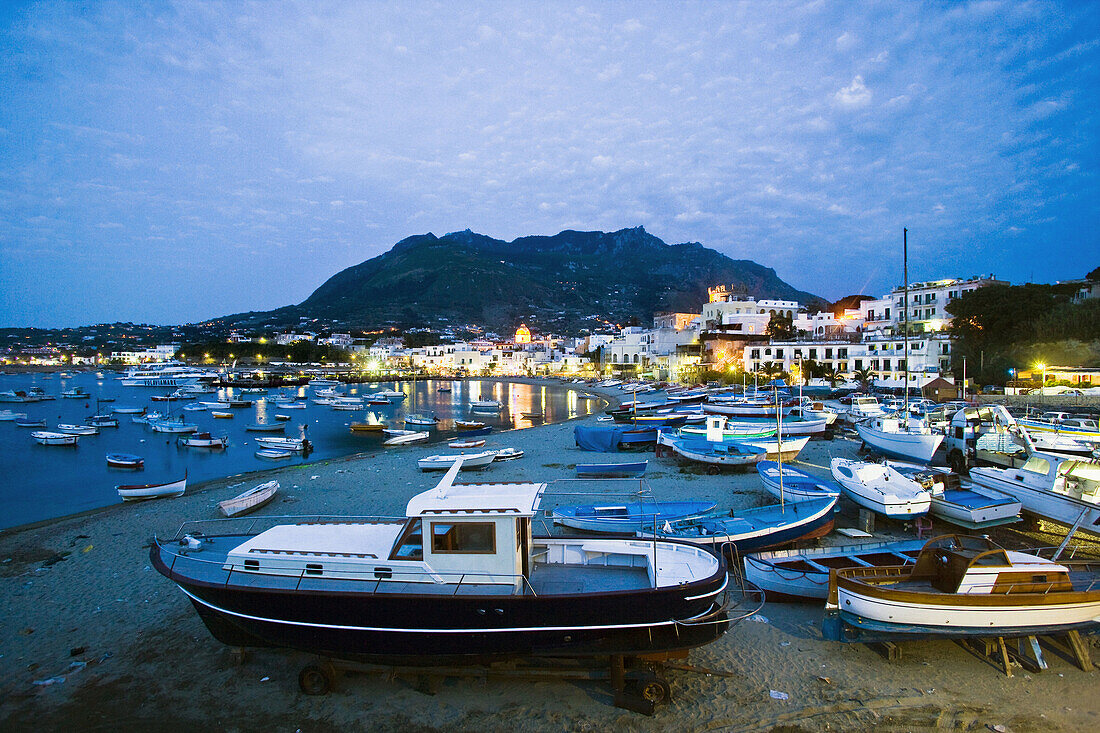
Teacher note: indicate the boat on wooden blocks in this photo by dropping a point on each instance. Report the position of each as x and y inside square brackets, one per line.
[460, 578]
[968, 586]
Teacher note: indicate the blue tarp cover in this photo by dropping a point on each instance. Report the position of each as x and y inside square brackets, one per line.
[601, 438]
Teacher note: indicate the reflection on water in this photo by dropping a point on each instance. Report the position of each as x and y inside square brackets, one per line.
[41, 482]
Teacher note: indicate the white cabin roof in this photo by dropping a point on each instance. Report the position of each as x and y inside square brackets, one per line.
[520, 499]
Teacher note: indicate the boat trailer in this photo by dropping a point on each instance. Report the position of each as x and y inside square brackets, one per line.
[638, 683]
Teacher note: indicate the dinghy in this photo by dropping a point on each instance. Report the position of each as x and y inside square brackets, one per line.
[405, 437]
[642, 515]
[250, 500]
[881, 489]
[508, 454]
[297, 445]
[791, 484]
[141, 492]
[273, 454]
[470, 443]
[46, 437]
[124, 460]
[470, 461]
[265, 427]
[961, 501]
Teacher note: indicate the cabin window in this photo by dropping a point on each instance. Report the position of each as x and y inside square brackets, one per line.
[993, 559]
[411, 544]
[313, 568]
[465, 537]
[1035, 464]
[251, 564]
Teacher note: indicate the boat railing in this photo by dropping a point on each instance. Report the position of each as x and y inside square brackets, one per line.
[254, 525]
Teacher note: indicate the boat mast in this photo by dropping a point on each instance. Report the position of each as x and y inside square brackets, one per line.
[905, 286]
[779, 445]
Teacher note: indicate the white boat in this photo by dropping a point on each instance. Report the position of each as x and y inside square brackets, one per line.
[469, 461]
[167, 374]
[389, 394]
[900, 438]
[961, 501]
[1060, 488]
[203, 440]
[486, 405]
[1075, 427]
[146, 417]
[46, 437]
[9, 415]
[744, 407]
[467, 443]
[128, 410]
[273, 454]
[265, 427]
[405, 436]
[292, 405]
[173, 426]
[715, 454]
[195, 407]
[508, 454]
[881, 489]
[77, 429]
[863, 408]
[140, 492]
[421, 419]
[791, 484]
[250, 500]
[297, 445]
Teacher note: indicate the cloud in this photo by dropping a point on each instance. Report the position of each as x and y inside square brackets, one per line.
[855, 95]
[846, 41]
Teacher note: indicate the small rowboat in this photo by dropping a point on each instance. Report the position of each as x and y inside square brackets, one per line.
[880, 488]
[265, 427]
[469, 425]
[102, 421]
[45, 437]
[612, 469]
[291, 444]
[470, 461]
[78, 429]
[272, 454]
[124, 460]
[628, 517]
[367, 427]
[471, 443]
[127, 410]
[140, 492]
[7, 415]
[508, 454]
[406, 436]
[250, 500]
[202, 440]
[282, 418]
[24, 422]
[419, 419]
[221, 415]
[797, 485]
[531, 415]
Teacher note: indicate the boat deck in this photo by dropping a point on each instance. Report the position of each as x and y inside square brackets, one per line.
[559, 579]
[971, 499]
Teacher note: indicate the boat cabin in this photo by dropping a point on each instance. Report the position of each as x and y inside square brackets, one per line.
[976, 566]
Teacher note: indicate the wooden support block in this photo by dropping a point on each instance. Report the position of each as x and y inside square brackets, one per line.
[1079, 650]
[1004, 656]
[866, 520]
[888, 650]
[1028, 654]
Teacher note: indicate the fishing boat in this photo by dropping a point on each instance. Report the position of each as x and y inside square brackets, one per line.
[589, 470]
[470, 461]
[124, 460]
[29, 422]
[76, 393]
[900, 438]
[508, 454]
[961, 501]
[367, 427]
[633, 517]
[45, 437]
[221, 415]
[803, 574]
[863, 408]
[963, 586]
[714, 453]
[791, 484]
[102, 421]
[459, 578]
[172, 426]
[1062, 488]
[273, 454]
[421, 419]
[10, 415]
[297, 445]
[249, 501]
[146, 418]
[405, 437]
[469, 443]
[195, 407]
[486, 405]
[469, 425]
[141, 492]
[77, 429]
[203, 440]
[265, 427]
[754, 529]
[881, 489]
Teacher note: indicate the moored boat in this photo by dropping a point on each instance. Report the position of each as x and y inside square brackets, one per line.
[460, 548]
[11, 415]
[468, 443]
[405, 437]
[273, 454]
[77, 429]
[203, 440]
[421, 419]
[46, 437]
[172, 426]
[469, 425]
[508, 454]
[265, 427]
[221, 415]
[124, 460]
[141, 492]
[26, 422]
[249, 501]
[298, 445]
[628, 517]
[963, 586]
[367, 427]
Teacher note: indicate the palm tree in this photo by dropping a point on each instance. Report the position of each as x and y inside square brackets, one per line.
[770, 369]
[865, 377]
[830, 372]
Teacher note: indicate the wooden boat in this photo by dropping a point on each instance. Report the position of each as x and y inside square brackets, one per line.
[469, 425]
[900, 438]
[124, 460]
[46, 437]
[141, 492]
[797, 485]
[963, 586]
[1061, 488]
[367, 427]
[470, 461]
[23, 422]
[881, 489]
[508, 454]
[273, 454]
[714, 454]
[803, 574]
[755, 529]
[636, 468]
[458, 549]
[265, 427]
[221, 415]
[297, 445]
[250, 500]
[77, 429]
[405, 437]
[635, 517]
[471, 443]
[203, 440]
[961, 501]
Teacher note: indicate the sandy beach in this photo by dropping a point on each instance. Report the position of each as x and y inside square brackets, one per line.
[94, 639]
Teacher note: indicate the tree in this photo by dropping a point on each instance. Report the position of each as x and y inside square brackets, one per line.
[865, 377]
[780, 327]
[833, 374]
[770, 369]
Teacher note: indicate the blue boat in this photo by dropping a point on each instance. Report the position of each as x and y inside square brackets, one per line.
[644, 515]
[725, 453]
[797, 485]
[612, 469]
[755, 529]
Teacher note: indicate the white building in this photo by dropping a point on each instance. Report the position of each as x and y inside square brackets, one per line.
[744, 314]
[928, 300]
[283, 339]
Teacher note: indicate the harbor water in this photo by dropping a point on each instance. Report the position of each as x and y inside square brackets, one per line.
[39, 482]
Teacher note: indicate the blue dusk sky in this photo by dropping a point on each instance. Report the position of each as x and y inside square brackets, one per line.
[171, 162]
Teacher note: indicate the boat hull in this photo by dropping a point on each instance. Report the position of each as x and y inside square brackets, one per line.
[1043, 501]
[803, 575]
[908, 446]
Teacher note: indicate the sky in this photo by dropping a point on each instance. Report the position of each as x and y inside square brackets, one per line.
[172, 162]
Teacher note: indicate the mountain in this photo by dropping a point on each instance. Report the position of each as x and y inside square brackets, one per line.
[564, 282]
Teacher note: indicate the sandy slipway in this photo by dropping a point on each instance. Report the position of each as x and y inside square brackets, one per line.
[94, 639]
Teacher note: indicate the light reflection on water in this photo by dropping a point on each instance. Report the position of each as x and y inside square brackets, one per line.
[41, 482]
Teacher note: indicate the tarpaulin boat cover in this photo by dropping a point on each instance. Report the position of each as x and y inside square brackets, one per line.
[601, 438]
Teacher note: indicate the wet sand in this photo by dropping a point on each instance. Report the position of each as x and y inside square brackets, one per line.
[94, 639]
